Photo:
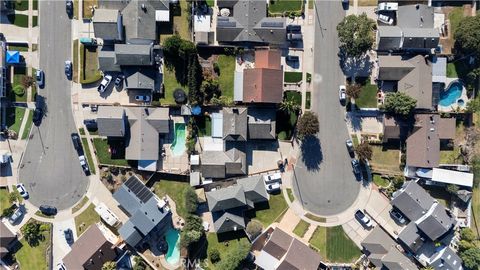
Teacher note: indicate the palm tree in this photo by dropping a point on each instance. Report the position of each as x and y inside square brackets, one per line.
[289, 106]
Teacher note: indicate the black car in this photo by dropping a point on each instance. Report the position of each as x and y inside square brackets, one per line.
[76, 141]
[356, 166]
[68, 69]
[48, 210]
[118, 82]
[37, 116]
[294, 28]
[68, 236]
[90, 124]
[69, 7]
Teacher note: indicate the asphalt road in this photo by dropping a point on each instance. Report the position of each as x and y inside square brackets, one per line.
[50, 168]
[323, 179]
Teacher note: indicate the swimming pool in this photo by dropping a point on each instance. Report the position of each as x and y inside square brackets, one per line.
[178, 145]
[173, 240]
[450, 96]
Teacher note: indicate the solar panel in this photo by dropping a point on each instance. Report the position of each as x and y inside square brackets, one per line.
[226, 24]
[139, 189]
[272, 24]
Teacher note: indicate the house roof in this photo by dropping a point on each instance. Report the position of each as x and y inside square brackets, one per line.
[6, 239]
[278, 244]
[397, 260]
[410, 236]
[415, 16]
[436, 223]
[412, 200]
[439, 69]
[219, 164]
[389, 38]
[413, 76]
[261, 123]
[140, 78]
[107, 24]
[452, 177]
[254, 188]
[234, 124]
[226, 198]
[111, 121]
[378, 242]
[139, 20]
[423, 144]
[229, 220]
[301, 257]
[133, 54]
[106, 60]
[446, 259]
[90, 251]
[249, 23]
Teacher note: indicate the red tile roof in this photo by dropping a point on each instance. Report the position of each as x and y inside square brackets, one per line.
[264, 83]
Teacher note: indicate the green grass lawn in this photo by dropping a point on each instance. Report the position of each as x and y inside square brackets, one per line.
[292, 77]
[295, 96]
[277, 207]
[291, 197]
[28, 125]
[366, 2]
[174, 190]
[319, 240]
[170, 82]
[204, 124]
[87, 11]
[18, 47]
[458, 69]
[85, 219]
[455, 16]
[75, 60]
[334, 245]
[226, 64]
[89, 72]
[440, 194]
[79, 205]
[210, 3]
[33, 95]
[14, 118]
[301, 228]
[380, 181]
[223, 248]
[451, 156]
[179, 25]
[354, 140]
[475, 225]
[19, 20]
[21, 5]
[34, 257]
[308, 100]
[280, 6]
[4, 203]
[40, 214]
[35, 5]
[315, 218]
[368, 95]
[104, 157]
[34, 21]
[385, 159]
[86, 149]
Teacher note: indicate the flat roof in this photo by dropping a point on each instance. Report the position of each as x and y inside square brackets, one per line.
[201, 23]
[452, 177]
[217, 125]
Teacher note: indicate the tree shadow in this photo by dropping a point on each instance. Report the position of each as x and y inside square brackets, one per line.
[355, 67]
[311, 150]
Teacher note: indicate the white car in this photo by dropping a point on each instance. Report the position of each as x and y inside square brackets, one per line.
[273, 187]
[276, 177]
[107, 79]
[364, 219]
[342, 96]
[385, 19]
[21, 189]
[142, 98]
[60, 266]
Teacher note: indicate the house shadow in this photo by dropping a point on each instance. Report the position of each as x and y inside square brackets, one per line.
[356, 121]
[311, 151]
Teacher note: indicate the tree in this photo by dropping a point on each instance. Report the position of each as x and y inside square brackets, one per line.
[399, 103]
[467, 35]
[289, 106]
[172, 44]
[18, 90]
[192, 232]
[214, 255]
[210, 89]
[109, 265]
[464, 245]
[14, 197]
[27, 81]
[473, 105]
[8, 211]
[452, 189]
[32, 233]
[353, 90]
[364, 151]
[356, 35]
[234, 257]
[467, 234]
[194, 77]
[191, 200]
[307, 125]
[254, 229]
[471, 258]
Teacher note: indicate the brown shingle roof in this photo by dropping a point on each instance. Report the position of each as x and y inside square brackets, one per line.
[278, 244]
[300, 257]
[264, 83]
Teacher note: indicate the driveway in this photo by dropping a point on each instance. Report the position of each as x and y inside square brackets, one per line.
[60, 245]
[50, 168]
[323, 180]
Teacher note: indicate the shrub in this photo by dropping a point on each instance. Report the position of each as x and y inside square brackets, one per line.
[254, 229]
[216, 68]
[27, 81]
[214, 255]
[235, 257]
[191, 200]
[307, 125]
[18, 90]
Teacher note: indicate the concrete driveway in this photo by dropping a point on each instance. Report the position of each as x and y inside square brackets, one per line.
[60, 245]
[356, 231]
[378, 207]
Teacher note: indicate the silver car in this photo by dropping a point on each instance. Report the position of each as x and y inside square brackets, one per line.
[15, 216]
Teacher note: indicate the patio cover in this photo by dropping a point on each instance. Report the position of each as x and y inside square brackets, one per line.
[267, 261]
[452, 177]
[162, 15]
[13, 57]
[217, 125]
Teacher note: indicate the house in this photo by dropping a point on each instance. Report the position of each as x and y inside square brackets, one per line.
[3, 79]
[229, 204]
[140, 128]
[147, 213]
[424, 139]
[7, 240]
[414, 31]
[283, 252]
[409, 75]
[261, 123]
[382, 251]
[264, 82]
[108, 25]
[90, 251]
[140, 19]
[246, 22]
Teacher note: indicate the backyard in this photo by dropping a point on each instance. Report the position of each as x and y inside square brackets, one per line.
[454, 17]
[226, 64]
[175, 190]
[170, 83]
[35, 257]
[89, 72]
[104, 156]
[334, 245]
[85, 219]
[224, 248]
[204, 124]
[440, 194]
[457, 69]
[384, 159]
[267, 214]
[179, 25]
[368, 94]
[281, 6]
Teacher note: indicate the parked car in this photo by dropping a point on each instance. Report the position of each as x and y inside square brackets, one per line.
[349, 145]
[397, 216]
[48, 210]
[68, 235]
[142, 98]
[60, 266]
[292, 58]
[37, 116]
[345, 2]
[107, 79]
[385, 19]
[90, 124]
[294, 36]
[275, 177]
[356, 166]
[118, 82]
[22, 190]
[40, 77]
[77, 143]
[294, 28]
[15, 216]
[69, 7]
[68, 69]
[84, 164]
[88, 41]
[364, 219]
[273, 187]
[342, 96]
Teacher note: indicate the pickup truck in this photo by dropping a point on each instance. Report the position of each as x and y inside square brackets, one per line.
[84, 164]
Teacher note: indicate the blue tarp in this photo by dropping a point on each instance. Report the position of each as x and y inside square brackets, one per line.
[13, 57]
[196, 110]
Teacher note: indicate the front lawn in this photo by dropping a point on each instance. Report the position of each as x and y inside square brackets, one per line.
[86, 149]
[292, 77]
[18, 47]
[290, 194]
[334, 245]
[365, 3]
[175, 190]
[308, 99]
[226, 63]
[276, 208]
[295, 96]
[28, 125]
[14, 118]
[104, 156]
[455, 16]
[380, 181]
[285, 125]
[4, 202]
[204, 124]
[170, 84]
[224, 247]
[35, 257]
[87, 8]
[21, 5]
[75, 61]
[281, 6]
[79, 205]
[19, 20]
[368, 94]
[85, 219]
[301, 228]
[34, 21]
[89, 72]
[384, 159]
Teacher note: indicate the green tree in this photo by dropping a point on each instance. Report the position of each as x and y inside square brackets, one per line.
[8, 211]
[353, 90]
[254, 229]
[471, 258]
[32, 233]
[194, 77]
[467, 35]
[364, 151]
[27, 81]
[191, 200]
[18, 90]
[289, 106]
[14, 197]
[172, 44]
[192, 232]
[473, 105]
[356, 35]
[452, 189]
[307, 125]
[109, 265]
[210, 89]
[214, 255]
[399, 103]
[467, 234]
[234, 257]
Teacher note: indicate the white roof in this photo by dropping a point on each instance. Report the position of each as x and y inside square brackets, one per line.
[194, 179]
[162, 15]
[267, 261]
[452, 177]
[217, 125]
[195, 160]
[147, 165]
[238, 86]
[201, 23]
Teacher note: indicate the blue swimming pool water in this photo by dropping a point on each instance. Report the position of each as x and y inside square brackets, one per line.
[450, 96]
[173, 240]
[178, 146]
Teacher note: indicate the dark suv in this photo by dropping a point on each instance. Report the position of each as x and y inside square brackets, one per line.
[48, 210]
[37, 116]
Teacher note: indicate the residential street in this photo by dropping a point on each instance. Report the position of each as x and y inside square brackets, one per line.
[50, 168]
[323, 179]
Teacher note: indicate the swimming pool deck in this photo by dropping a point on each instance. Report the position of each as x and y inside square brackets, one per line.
[454, 107]
[171, 163]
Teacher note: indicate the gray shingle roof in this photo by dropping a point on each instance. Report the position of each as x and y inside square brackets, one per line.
[300, 257]
[111, 121]
[107, 24]
[254, 188]
[106, 60]
[226, 198]
[141, 78]
[230, 220]
[413, 201]
[234, 124]
[410, 236]
[448, 260]
[437, 223]
[261, 123]
[220, 164]
[133, 55]
[415, 16]
[140, 22]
